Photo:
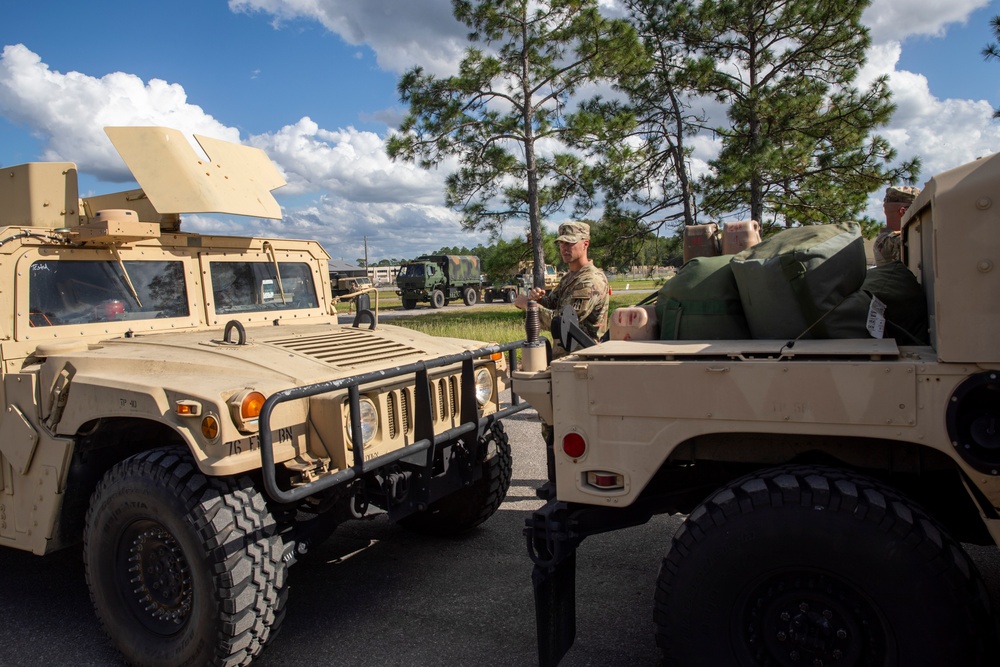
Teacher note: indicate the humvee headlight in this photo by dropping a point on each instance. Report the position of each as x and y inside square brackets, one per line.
[245, 409]
[368, 416]
[484, 386]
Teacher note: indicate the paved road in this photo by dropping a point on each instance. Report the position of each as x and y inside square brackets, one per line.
[375, 594]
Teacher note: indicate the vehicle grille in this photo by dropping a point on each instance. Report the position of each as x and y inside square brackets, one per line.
[443, 404]
[399, 407]
[391, 400]
[404, 405]
[453, 387]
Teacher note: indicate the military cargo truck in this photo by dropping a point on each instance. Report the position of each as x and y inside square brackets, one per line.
[188, 406]
[827, 483]
[439, 279]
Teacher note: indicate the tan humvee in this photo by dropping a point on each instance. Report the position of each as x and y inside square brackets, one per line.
[827, 483]
[189, 406]
[550, 275]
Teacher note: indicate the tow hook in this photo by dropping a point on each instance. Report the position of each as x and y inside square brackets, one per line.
[396, 486]
[359, 504]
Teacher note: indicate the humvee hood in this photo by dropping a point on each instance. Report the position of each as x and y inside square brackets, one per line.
[300, 354]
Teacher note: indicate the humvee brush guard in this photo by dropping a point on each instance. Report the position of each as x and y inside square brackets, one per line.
[827, 482]
[189, 406]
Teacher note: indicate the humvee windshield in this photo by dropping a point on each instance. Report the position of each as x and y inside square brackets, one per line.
[248, 287]
[80, 292]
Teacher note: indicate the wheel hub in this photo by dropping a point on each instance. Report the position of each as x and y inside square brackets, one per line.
[161, 578]
[815, 621]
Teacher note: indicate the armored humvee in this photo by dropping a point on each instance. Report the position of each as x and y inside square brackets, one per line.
[190, 408]
[349, 285]
[827, 483]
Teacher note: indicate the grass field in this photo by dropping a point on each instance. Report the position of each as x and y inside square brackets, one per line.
[387, 299]
[497, 324]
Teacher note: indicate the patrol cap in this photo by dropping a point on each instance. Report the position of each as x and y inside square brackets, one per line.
[901, 194]
[573, 232]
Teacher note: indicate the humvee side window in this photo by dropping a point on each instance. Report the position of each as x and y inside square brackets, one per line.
[81, 292]
[250, 287]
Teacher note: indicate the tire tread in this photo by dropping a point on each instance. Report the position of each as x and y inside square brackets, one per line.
[240, 537]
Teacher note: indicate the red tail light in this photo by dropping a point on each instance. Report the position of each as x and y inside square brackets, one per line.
[574, 445]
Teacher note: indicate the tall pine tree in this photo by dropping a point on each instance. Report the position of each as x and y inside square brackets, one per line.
[800, 146]
[504, 114]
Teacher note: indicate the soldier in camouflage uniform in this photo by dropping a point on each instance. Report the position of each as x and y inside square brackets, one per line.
[584, 286]
[887, 247]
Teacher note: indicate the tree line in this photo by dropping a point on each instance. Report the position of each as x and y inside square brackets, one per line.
[559, 110]
[502, 259]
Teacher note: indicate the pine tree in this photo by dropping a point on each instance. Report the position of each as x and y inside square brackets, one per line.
[800, 145]
[504, 114]
[992, 51]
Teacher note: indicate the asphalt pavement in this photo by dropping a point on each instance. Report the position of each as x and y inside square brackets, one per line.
[376, 594]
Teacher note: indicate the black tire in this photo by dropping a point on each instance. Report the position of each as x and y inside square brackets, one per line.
[474, 504]
[183, 568]
[813, 565]
[437, 299]
[470, 296]
[488, 297]
[409, 304]
[509, 296]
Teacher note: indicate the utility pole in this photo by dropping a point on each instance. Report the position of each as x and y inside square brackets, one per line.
[366, 251]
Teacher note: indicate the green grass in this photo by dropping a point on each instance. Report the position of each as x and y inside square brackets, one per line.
[495, 324]
[619, 285]
[388, 300]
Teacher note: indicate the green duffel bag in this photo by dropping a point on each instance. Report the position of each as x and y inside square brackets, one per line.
[701, 302]
[789, 282]
[905, 307]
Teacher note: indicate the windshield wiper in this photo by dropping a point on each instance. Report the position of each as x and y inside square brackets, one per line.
[128, 280]
[269, 249]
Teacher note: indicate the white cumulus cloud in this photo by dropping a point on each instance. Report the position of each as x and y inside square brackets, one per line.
[349, 163]
[342, 186]
[69, 111]
[402, 34]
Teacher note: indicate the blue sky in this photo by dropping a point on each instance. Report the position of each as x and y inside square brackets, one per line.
[313, 83]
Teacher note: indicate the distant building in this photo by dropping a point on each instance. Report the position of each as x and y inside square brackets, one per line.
[379, 275]
[342, 269]
[383, 275]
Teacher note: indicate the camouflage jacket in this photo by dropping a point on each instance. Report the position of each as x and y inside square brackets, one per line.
[587, 291]
[887, 247]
